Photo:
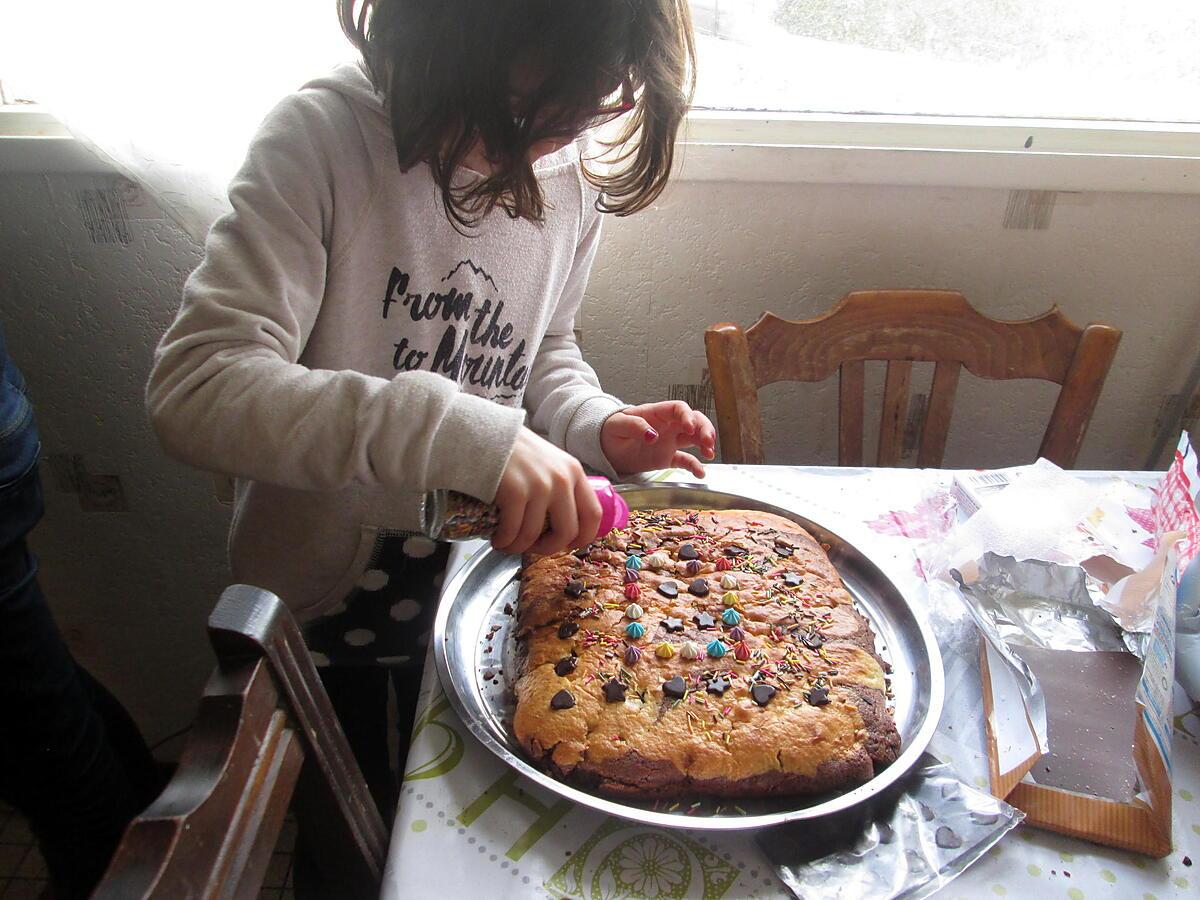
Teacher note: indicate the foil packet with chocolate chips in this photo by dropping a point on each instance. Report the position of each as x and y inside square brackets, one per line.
[907, 843]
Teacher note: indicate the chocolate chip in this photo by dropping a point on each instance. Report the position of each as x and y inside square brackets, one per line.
[672, 624]
[566, 666]
[704, 620]
[812, 640]
[562, 700]
[950, 792]
[1187, 860]
[817, 696]
[566, 629]
[718, 685]
[762, 694]
[669, 589]
[735, 550]
[687, 551]
[575, 588]
[784, 549]
[886, 834]
[582, 553]
[946, 838]
[984, 818]
[699, 587]
[614, 691]
[791, 579]
[675, 687]
[926, 813]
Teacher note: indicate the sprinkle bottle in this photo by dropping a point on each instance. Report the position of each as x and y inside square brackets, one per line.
[451, 516]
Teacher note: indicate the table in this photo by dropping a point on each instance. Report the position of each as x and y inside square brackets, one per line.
[467, 825]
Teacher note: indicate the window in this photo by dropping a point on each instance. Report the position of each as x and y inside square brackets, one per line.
[1060, 59]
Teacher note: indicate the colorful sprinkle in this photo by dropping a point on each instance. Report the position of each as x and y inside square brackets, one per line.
[633, 591]
[689, 650]
[741, 651]
[731, 616]
[633, 561]
[730, 599]
[633, 612]
[716, 649]
[664, 651]
[632, 655]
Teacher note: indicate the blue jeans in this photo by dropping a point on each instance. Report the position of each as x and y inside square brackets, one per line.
[71, 759]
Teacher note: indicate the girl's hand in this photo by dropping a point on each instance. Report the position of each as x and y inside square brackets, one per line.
[539, 481]
[653, 436]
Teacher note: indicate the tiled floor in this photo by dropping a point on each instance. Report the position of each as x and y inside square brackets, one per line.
[23, 872]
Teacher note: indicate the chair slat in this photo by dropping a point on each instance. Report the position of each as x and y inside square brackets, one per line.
[895, 411]
[851, 391]
[937, 415]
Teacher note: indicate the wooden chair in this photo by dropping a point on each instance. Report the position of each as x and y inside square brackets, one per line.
[265, 735]
[902, 327]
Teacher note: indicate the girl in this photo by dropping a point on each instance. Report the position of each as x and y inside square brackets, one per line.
[389, 308]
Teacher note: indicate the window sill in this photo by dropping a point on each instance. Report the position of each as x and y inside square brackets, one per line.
[1035, 154]
[833, 149]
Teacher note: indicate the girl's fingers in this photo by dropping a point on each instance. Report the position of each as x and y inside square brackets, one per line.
[706, 435]
[638, 428]
[590, 513]
[512, 514]
[683, 460]
[564, 524]
[533, 523]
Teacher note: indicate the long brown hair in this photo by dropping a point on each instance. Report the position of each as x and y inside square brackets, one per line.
[444, 68]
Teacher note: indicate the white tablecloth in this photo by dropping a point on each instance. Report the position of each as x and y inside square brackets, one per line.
[468, 826]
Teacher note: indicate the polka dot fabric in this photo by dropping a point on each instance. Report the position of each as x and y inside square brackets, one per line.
[386, 619]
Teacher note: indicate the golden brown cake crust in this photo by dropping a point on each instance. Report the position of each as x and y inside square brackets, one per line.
[804, 708]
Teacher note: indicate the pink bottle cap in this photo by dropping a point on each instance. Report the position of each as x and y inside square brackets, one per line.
[614, 509]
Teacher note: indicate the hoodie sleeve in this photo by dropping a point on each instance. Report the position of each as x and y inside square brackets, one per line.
[227, 393]
[564, 397]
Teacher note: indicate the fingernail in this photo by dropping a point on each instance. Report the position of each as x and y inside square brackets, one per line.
[651, 435]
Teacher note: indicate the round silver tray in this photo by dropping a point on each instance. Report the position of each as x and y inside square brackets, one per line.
[473, 642]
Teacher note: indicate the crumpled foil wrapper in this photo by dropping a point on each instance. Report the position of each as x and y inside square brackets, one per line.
[907, 843]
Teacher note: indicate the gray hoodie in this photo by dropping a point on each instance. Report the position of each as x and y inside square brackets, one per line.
[342, 349]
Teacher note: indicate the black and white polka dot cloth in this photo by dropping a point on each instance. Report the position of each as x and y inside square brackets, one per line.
[386, 620]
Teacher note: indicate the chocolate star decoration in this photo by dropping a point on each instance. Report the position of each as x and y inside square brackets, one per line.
[762, 694]
[783, 548]
[718, 685]
[812, 640]
[699, 587]
[614, 691]
[704, 620]
[675, 687]
[575, 588]
[566, 666]
[818, 696]
[566, 629]
[791, 579]
[735, 550]
[687, 551]
[672, 624]
[562, 700]
[669, 589]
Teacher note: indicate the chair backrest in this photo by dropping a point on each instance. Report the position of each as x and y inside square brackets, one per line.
[265, 735]
[901, 327]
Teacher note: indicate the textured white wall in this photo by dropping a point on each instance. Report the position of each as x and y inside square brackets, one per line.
[133, 588]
